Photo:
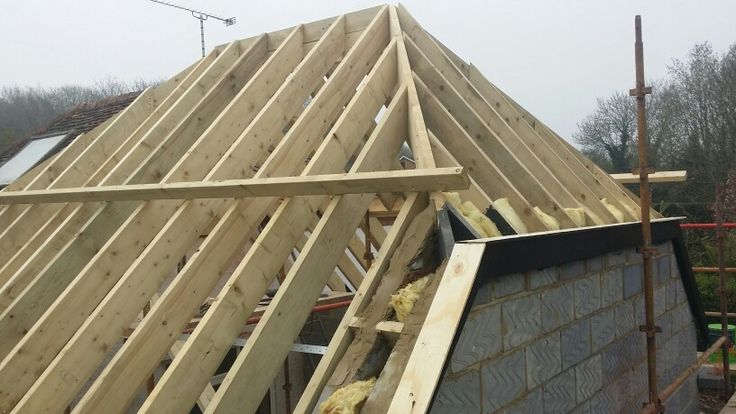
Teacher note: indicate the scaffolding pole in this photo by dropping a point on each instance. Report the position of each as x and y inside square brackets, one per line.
[646, 250]
[723, 293]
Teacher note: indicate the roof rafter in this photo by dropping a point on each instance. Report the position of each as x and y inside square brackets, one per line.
[303, 124]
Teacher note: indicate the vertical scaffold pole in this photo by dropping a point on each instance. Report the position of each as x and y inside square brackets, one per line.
[723, 293]
[646, 250]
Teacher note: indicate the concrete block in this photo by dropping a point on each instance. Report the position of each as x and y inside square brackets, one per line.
[622, 383]
[595, 264]
[672, 293]
[687, 317]
[634, 347]
[615, 258]
[665, 248]
[503, 379]
[543, 359]
[662, 363]
[576, 344]
[587, 295]
[533, 402]
[660, 300]
[583, 408]
[572, 270]
[624, 315]
[639, 381]
[639, 310]
[557, 306]
[674, 267]
[684, 396]
[543, 277]
[559, 393]
[605, 402]
[522, 320]
[691, 342]
[663, 270]
[610, 400]
[480, 338]
[633, 277]
[680, 292]
[458, 395]
[613, 361]
[588, 378]
[710, 377]
[669, 373]
[633, 405]
[483, 295]
[665, 323]
[602, 329]
[633, 256]
[612, 287]
[677, 347]
[508, 284]
[679, 316]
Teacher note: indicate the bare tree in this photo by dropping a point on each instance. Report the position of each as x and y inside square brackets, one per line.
[691, 125]
[608, 133]
[24, 110]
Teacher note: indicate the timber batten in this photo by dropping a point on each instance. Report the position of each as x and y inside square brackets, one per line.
[271, 166]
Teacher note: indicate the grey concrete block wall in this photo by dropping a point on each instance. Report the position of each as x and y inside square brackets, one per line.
[566, 339]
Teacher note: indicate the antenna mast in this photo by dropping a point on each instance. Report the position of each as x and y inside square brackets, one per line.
[201, 16]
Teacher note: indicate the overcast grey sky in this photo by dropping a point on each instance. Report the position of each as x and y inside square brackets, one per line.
[553, 57]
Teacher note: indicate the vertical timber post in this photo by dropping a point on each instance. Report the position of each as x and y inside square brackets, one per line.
[368, 255]
[646, 250]
[151, 381]
[287, 386]
[723, 292]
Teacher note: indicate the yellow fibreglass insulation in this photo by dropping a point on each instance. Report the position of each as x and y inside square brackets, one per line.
[453, 199]
[577, 215]
[479, 220]
[549, 222]
[504, 208]
[403, 300]
[347, 399]
[614, 211]
[482, 224]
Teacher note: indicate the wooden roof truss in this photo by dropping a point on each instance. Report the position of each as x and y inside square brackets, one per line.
[329, 100]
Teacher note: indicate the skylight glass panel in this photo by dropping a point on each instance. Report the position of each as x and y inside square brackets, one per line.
[27, 157]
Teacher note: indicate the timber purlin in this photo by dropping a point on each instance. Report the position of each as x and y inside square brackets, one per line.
[301, 112]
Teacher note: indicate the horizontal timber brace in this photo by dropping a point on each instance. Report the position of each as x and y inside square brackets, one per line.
[656, 177]
[400, 181]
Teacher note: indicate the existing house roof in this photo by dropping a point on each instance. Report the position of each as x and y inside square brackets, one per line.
[59, 133]
[88, 115]
[336, 95]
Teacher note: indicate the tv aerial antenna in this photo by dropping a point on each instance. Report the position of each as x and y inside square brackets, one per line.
[201, 16]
